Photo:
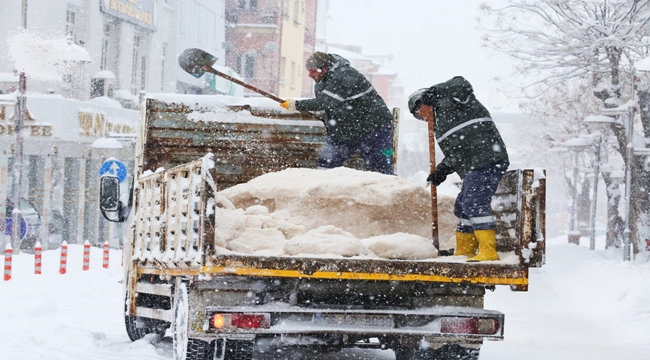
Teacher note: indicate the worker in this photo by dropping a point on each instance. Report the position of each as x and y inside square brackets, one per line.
[356, 117]
[473, 149]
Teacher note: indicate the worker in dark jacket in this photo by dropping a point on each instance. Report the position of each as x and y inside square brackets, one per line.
[473, 149]
[356, 117]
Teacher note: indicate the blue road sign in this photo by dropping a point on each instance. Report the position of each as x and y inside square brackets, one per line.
[113, 167]
[23, 227]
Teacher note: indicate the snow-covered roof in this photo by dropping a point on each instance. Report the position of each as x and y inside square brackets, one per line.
[124, 94]
[600, 119]
[578, 142]
[106, 143]
[104, 74]
[103, 100]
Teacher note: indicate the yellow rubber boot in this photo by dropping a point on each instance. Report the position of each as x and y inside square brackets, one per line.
[487, 246]
[466, 244]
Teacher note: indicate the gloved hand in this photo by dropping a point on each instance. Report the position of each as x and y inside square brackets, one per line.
[430, 97]
[439, 175]
[289, 104]
[436, 178]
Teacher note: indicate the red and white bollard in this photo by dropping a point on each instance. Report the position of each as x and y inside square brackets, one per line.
[86, 264]
[64, 257]
[8, 253]
[38, 251]
[122, 261]
[105, 257]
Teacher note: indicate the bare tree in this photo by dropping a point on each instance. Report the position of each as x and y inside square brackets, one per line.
[556, 41]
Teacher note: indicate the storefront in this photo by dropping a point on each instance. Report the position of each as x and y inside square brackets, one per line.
[60, 174]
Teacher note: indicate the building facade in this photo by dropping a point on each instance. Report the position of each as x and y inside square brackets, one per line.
[265, 43]
[104, 54]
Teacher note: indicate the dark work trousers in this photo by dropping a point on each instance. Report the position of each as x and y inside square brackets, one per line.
[372, 146]
[473, 203]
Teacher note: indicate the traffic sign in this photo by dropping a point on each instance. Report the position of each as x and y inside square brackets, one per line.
[23, 227]
[113, 167]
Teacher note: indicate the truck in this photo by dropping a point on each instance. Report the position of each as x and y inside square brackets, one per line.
[224, 305]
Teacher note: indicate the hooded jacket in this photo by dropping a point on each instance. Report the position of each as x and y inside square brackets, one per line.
[351, 104]
[464, 128]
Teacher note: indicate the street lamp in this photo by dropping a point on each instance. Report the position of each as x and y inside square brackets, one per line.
[576, 145]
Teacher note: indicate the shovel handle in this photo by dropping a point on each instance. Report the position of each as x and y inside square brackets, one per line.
[434, 192]
[212, 70]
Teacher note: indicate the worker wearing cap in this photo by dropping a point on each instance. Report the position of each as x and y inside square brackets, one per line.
[473, 149]
[356, 117]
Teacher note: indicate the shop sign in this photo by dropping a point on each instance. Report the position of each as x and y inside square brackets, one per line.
[138, 12]
[29, 127]
[96, 125]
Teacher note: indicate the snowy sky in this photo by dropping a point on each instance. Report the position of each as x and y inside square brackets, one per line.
[431, 41]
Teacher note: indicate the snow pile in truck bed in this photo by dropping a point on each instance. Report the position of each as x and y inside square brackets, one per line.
[338, 211]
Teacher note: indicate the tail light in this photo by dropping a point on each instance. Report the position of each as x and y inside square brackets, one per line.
[459, 325]
[240, 321]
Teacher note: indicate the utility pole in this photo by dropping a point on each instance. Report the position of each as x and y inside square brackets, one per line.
[24, 14]
[19, 111]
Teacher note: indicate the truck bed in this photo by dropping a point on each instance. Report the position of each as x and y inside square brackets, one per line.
[175, 223]
[174, 235]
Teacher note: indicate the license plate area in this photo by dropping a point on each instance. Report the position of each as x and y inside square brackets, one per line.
[384, 321]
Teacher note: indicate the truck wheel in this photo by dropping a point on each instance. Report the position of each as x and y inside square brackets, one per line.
[186, 348]
[404, 353]
[456, 352]
[234, 349]
[136, 331]
[413, 353]
[446, 352]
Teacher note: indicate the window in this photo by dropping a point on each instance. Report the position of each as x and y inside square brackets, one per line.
[238, 65]
[107, 33]
[247, 4]
[296, 11]
[283, 65]
[249, 66]
[162, 67]
[69, 24]
[292, 75]
[134, 65]
[143, 72]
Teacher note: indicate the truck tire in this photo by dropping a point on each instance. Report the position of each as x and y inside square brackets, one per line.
[135, 333]
[234, 349]
[135, 330]
[456, 352]
[186, 348]
[446, 352]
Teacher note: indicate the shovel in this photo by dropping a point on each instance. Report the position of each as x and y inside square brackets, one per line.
[197, 62]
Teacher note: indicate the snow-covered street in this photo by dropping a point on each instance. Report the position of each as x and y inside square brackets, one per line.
[582, 305]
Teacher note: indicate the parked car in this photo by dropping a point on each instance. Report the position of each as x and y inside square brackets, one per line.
[30, 223]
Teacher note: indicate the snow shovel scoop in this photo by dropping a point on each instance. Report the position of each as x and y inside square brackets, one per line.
[197, 62]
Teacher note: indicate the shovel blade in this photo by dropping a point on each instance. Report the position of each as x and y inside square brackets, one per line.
[193, 60]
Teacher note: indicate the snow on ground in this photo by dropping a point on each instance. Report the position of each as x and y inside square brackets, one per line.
[581, 305]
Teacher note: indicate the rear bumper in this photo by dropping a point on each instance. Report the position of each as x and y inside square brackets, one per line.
[419, 324]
